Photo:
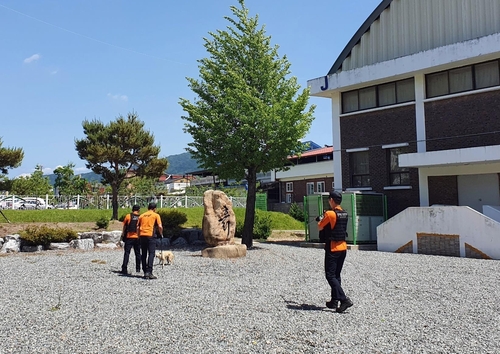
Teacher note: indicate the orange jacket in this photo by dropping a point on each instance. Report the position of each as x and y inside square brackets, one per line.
[147, 223]
[126, 221]
[331, 217]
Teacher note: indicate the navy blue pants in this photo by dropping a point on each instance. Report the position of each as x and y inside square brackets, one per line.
[334, 261]
[129, 244]
[148, 248]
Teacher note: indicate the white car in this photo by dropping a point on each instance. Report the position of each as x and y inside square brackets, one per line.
[32, 203]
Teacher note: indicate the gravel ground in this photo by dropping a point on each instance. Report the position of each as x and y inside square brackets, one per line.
[271, 301]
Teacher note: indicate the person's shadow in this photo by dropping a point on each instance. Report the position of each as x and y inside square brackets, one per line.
[292, 305]
[130, 275]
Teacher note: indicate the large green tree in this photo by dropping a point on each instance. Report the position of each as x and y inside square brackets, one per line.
[10, 157]
[35, 184]
[67, 183]
[119, 150]
[248, 114]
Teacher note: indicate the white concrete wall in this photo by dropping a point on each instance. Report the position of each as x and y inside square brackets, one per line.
[473, 228]
[308, 170]
[492, 211]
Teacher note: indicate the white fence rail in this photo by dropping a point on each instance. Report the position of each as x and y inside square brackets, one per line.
[104, 202]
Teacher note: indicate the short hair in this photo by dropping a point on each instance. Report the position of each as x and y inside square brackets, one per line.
[151, 206]
[136, 208]
[336, 196]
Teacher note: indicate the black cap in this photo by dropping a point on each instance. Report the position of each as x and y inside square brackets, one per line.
[136, 208]
[336, 196]
[151, 206]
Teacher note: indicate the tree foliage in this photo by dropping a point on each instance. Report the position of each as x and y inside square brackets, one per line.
[69, 184]
[248, 115]
[35, 184]
[10, 158]
[120, 150]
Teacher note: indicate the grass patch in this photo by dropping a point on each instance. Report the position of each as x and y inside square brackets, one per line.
[279, 221]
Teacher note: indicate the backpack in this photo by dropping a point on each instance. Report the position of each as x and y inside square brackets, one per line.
[132, 225]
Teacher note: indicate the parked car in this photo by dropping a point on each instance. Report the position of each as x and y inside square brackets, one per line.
[33, 203]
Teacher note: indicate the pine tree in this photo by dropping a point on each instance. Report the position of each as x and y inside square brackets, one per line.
[119, 150]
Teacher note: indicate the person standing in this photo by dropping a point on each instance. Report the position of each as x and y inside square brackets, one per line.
[333, 232]
[149, 227]
[131, 240]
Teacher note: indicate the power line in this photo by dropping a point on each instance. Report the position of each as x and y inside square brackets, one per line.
[91, 38]
[433, 139]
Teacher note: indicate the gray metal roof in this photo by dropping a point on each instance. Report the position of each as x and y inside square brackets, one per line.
[357, 36]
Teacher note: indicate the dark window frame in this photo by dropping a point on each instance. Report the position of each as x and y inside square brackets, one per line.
[474, 83]
[363, 178]
[377, 100]
[400, 171]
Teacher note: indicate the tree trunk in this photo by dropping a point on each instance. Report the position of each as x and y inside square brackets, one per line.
[114, 201]
[247, 236]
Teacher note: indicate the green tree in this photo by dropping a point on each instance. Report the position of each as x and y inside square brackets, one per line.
[119, 150]
[10, 158]
[35, 184]
[143, 186]
[248, 115]
[69, 184]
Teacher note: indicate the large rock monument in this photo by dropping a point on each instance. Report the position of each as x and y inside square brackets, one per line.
[219, 226]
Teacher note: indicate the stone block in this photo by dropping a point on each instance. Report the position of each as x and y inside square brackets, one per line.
[225, 251]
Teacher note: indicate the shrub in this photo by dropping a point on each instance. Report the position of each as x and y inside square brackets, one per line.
[171, 220]
[296, 212]
[102, 222]
[261, 226]
[44, 235]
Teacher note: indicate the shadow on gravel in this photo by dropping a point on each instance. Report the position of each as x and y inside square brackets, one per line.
[292, 305]
[119, 273]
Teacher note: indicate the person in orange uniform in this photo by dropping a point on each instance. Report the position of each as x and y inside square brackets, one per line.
[333, 232]
[131, 240]
[149, 228]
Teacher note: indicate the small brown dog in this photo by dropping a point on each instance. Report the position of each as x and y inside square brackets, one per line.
[165, 257]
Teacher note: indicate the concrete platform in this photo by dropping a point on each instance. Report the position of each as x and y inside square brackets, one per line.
[362, 247]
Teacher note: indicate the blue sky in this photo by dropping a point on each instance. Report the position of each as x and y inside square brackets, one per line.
[65, 61]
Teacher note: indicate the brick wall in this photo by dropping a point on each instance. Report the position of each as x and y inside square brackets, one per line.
[374, 129]
[459, 116]
[438, 244]
[443, 190]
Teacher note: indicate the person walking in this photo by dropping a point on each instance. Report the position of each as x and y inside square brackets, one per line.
[333, 232]
[131, 239]
[149, 227]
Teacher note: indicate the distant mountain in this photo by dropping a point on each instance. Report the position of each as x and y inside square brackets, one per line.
[177, 165]
[181, 164]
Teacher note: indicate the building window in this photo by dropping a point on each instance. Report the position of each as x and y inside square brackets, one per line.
[289, 186]
[289, 197]
[398, 176]
[379, 95]
[310, 188]
[360, 169]
[368, 97]
[487, 74]
[460, 79]
[320, 187]
[387, 94]
[466, 78]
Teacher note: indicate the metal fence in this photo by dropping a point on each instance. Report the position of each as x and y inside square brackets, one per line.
[104, 201]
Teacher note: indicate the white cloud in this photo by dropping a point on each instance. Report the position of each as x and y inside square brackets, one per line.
[53, 72]
[118, 97]
[48, 170]
[32, 58]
